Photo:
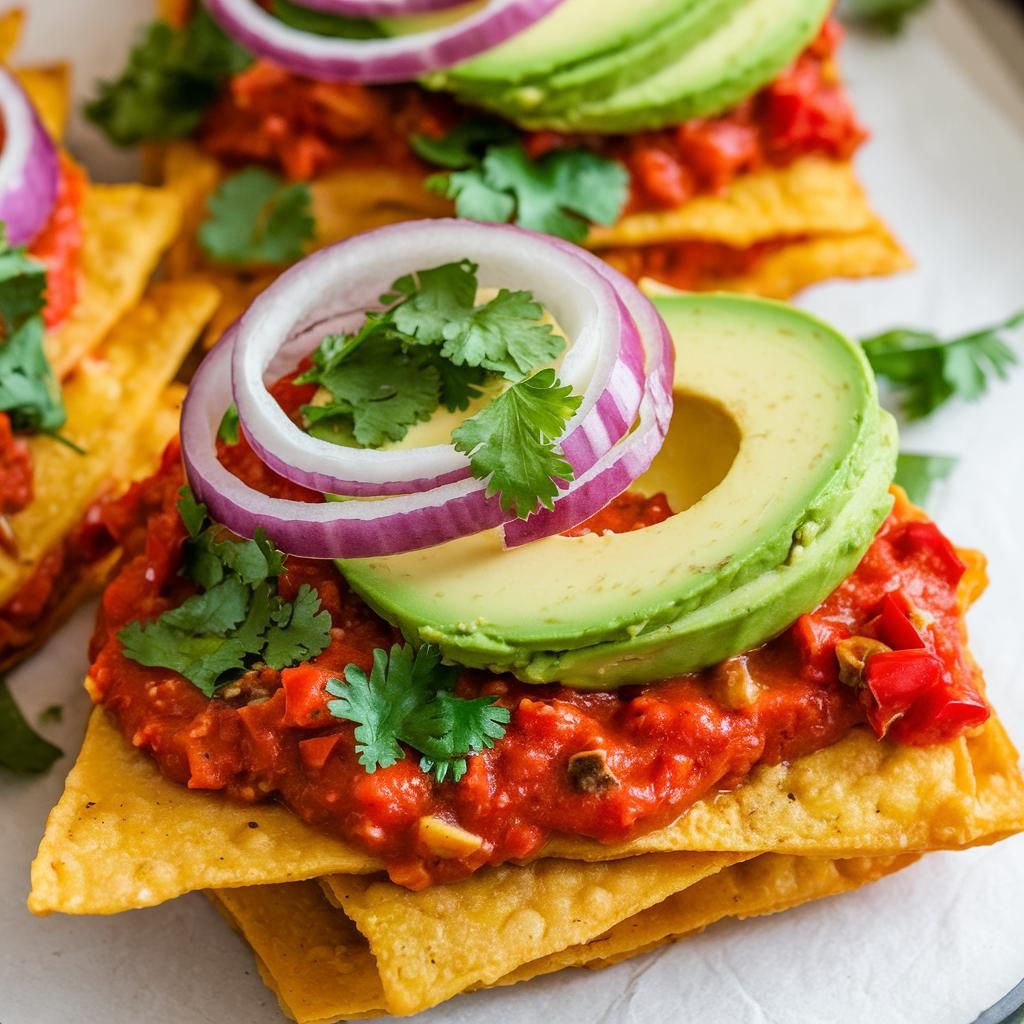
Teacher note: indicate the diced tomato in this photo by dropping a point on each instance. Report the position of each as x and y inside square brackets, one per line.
[941, 714]
[893, 624]
[816, 638]
[663, 177]
[306, 697]
[926, 539]
[16, 476]
[317, 749]
[894, 681]
[719, 150]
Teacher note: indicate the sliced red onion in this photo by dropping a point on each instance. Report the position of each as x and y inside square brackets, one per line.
[379, 8]
[397, 59]
[604, 362]
[349, 529]
[620, 466]
[29, 165]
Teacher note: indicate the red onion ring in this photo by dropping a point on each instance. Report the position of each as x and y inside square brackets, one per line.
[379, 8]
[604, 362]
[397, 59]
[29, 165]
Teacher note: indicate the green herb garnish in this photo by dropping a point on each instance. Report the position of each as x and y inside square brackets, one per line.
[927, 371]
[918, 474]
[432, 345]
[29, 391]
[172, 77]
[228, 431]
[408, 698]
[888, 16]
[257, 219]
[22, 749]
[319, 23]
[237, 621]
[492, 178]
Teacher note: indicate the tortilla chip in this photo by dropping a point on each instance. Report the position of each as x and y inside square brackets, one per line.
[107, 399]
[126, 229]
[18, 642]
[322, 970]
[433, 944]
[122, 836]
[12, 24]
[49, 88]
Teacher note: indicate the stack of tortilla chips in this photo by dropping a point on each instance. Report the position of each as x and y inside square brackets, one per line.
[335, 940]
[116, 353]
[809, 221]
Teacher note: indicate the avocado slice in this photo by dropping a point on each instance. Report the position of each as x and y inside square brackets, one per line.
[749, 49]
[776, 428]
[563, 85]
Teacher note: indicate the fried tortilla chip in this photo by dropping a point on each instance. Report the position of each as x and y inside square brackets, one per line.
[322, 969]
[49, 88]
[12, 24]
[108, 397]
[126, 229]
[18, 642]
[122, 836]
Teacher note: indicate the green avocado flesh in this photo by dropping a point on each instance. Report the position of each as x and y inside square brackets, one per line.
[615, 47]
[776, 465]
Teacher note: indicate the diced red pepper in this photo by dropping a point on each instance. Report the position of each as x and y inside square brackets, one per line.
[816, 640]
[305, 696]
[663, 177]
[893, 624]
[315, 751]
[928, 540]
[895, 680]
[940, 715]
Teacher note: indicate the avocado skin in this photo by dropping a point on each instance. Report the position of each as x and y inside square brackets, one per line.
[593, 78]
[743, 619]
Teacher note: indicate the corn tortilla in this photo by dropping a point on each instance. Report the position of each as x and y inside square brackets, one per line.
[107, 399]
[49, 88]
[322, 969]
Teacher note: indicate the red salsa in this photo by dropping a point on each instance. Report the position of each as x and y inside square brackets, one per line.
[307, 129]
[603, 765]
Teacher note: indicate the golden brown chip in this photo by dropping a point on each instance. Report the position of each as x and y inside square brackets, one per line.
[122, 836]
[107, 399]
[18, 642]
[321, 969]
[49, 88]
[12, 24]
[126, 229]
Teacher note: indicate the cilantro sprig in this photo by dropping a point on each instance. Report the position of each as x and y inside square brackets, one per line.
[408, 698]
[237, 621]
[172, 77]
[29, 391]
[492, 178]
[927, 371]
[918, 474]
[257, 219]
[432, 345]
[22, 749]
[888, 16]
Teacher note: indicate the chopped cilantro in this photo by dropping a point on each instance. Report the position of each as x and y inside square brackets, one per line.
[172, 77]
[237, 621]
[52, 714]
[29, 391]
[511, 442]
[408, 698]
[433, 345]
[918, 474]
[927, 371]
[228, 429]
[888, 16]
[257, 219]
[22, 749]
[492, 178]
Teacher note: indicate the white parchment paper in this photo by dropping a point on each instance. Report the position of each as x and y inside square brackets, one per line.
[936, 944]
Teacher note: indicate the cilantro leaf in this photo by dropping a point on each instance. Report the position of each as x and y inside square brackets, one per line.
[558, 194]
[407, 698]
[319, 23]
[430, 301]
[927, 371]
[229, 426]
[255, 218]
[459, 384]
[29, 390]
[465, 145]
[511, 442]
[237, 620]
[22, 749]
[888, 16]
[383, 388]
[504, 336]
[172, 77]
[917, 474]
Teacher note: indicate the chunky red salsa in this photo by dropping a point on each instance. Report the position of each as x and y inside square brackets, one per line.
[603, 765]
[307, 129]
